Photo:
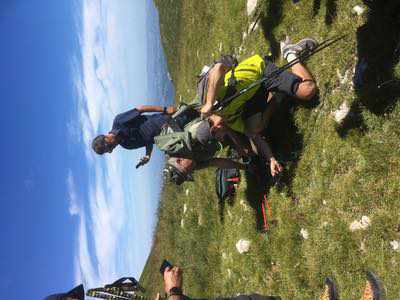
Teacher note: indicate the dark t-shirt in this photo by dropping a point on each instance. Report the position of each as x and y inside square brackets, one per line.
[135, 130]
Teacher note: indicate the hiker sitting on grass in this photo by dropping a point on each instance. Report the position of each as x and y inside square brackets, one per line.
[224, 78]
[202, 143]
[206, 138]
[132, 129]
[250, 112]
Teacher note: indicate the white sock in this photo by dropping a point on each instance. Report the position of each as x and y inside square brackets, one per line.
[291, 57]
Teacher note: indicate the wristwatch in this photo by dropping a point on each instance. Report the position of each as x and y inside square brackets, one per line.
[175, 291]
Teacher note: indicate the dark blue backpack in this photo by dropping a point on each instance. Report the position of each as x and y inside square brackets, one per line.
[225, 180]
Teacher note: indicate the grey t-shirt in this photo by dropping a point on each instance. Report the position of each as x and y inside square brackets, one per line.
[208, 144]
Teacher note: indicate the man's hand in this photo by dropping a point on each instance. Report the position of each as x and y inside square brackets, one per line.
[172, 278]
[206, 110]
[276, 168]
[144, 160]
[171, 110]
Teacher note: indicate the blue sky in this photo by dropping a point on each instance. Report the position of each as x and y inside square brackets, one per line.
[69, 216]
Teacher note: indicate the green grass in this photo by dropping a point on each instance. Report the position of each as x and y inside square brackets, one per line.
[343, 172]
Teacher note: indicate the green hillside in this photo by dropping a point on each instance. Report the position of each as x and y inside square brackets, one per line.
[340, 174]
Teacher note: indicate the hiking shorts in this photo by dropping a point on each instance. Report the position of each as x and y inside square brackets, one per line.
[286, 82]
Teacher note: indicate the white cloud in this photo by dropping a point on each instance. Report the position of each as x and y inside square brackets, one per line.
[73, 201]
[112, 218]
[85, 272]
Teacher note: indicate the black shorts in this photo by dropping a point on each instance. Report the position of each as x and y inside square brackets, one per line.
[286, 82]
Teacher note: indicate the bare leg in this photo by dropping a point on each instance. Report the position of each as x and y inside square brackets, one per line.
[307, 88]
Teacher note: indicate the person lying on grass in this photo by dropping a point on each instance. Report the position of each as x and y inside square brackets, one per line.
[209, 134]
[133, 129]
[225, 77]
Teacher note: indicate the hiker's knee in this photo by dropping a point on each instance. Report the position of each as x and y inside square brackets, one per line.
[307, 90]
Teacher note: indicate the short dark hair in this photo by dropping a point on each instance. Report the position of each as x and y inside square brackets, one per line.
[99, 144]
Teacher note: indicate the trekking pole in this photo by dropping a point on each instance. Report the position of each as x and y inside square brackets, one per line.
[388, 82]
[218, 105]
[114, 294]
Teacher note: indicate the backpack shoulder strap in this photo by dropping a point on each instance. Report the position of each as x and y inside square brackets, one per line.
[228, 61]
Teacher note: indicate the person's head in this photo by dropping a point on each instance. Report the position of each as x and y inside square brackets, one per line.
[217, 127]
[104, 143]
[77, 293]
[179, 169]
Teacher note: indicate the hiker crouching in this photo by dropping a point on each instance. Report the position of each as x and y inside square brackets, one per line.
[195, 147]
[133, 129]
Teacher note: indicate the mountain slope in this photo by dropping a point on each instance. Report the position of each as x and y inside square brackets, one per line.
[340, 172]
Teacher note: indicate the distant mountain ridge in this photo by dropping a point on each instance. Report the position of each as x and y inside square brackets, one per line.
[157, 69]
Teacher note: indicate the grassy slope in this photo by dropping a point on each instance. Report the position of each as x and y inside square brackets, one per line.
[341, 175]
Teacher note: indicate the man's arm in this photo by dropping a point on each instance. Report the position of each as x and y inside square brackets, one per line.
[264, 150]
[156, 108]
[173, 280]
[237, 143]
[145, 159]
[215, 80]
[149, 149]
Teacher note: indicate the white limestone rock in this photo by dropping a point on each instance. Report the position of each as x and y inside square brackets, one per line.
[304, 233]
[251, 6]
[360, 224]
[395, 245]
[340, 114]
[243, 246]
[358, 10]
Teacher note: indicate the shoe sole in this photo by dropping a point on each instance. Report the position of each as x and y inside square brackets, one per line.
[307, 43]
[333, 293]
[376, 285]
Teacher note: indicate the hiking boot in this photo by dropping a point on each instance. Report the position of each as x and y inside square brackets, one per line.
[372, 290]
[330, 290]
[290, 51]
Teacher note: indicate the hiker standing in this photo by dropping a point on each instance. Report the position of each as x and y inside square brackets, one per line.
[133, 129]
